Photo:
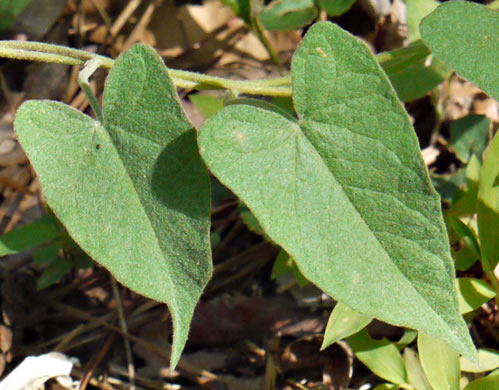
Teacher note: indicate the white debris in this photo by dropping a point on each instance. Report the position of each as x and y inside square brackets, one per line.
[34, 371]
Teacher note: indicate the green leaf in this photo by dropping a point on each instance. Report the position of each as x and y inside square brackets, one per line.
[281, 265]
[264, 105]
[440, 363]
[286, 104]
[414, 62]
[241, 8]
[490, 382]
[284, 264]
[415, 373]
[336, 7]
[250, 221]
[343, 322]
[488, 207]
[219, 193]
[208, 105]
[386, 386]
[488, 360]
[447, 184]
[465, 247]
[54, 272]
[300, 279]
[132, 192]
[46, 254]
[30, 236]
[344, 190]
[464, 36]
[464, 201]
[469, 135]
[407, 338]
[9, 9]
[416, 11]
[473, 293]
[464, 233]
[464, 258]
[288, 14]
[380, 356]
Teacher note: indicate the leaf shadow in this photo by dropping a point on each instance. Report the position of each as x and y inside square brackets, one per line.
[180, 180]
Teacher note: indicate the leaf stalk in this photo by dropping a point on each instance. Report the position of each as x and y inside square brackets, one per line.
[83, 79]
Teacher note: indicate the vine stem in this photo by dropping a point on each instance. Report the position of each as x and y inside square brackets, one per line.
[46, 52]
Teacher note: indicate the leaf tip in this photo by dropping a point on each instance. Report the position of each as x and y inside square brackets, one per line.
[471, 353]
[324, 345]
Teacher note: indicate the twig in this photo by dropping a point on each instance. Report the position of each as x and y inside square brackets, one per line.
[141, 25]
[124, 328]
[95, 362]
[123, 17]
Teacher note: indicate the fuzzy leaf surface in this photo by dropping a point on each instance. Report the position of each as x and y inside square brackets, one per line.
[132, 191]
[344, 189]
[464, 36]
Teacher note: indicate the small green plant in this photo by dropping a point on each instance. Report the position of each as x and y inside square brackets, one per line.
[52, 248]
[339, 184]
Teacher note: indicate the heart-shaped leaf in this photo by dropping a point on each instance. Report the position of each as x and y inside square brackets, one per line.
[344, 189]
[464, 36]
[132, 192]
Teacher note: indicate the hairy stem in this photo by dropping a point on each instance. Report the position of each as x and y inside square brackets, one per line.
[89, 69]
[21, 54]
[45, 52]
